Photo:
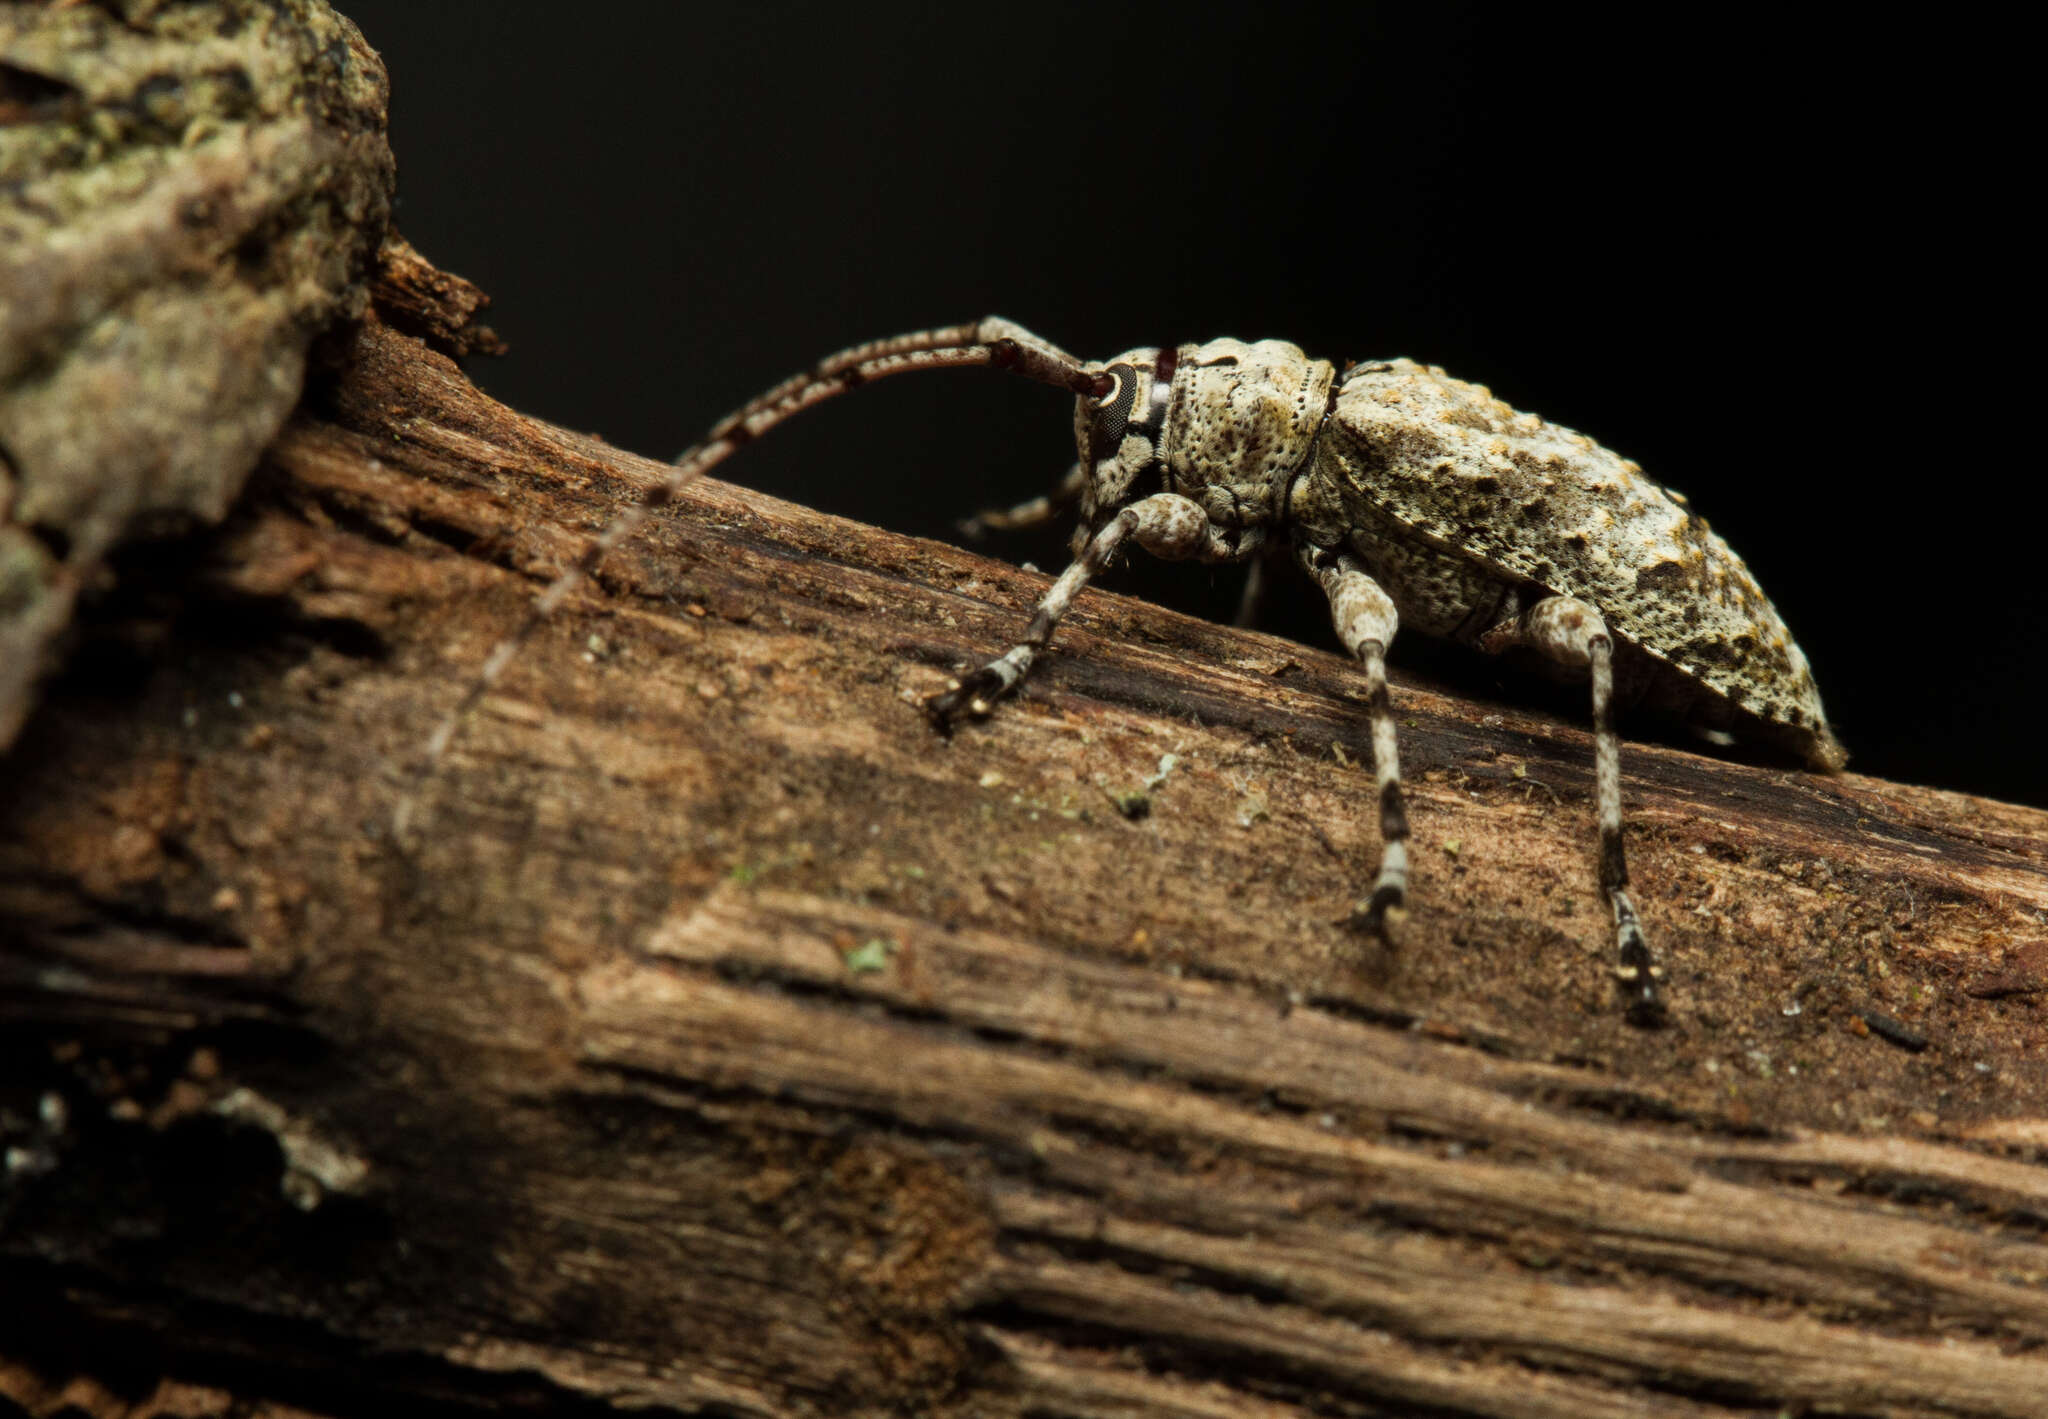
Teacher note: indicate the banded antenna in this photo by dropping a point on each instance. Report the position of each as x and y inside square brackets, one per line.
[995, 341]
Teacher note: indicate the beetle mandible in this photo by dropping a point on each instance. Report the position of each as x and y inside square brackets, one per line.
[1411, 498]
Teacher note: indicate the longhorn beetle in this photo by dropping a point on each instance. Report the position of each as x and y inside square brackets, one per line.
[1408, 496]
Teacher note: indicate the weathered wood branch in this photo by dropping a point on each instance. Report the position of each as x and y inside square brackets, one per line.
[734, 1045]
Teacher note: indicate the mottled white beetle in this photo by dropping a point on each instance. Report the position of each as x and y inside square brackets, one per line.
[1410, 497]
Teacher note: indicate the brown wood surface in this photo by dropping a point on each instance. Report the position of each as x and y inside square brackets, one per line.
[732, 1044]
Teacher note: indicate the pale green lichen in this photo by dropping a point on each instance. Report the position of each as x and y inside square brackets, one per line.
[869, 957]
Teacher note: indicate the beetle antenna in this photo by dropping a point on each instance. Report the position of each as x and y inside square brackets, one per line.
[995, 341]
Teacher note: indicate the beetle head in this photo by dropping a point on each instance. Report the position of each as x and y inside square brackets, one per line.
[1119, 434]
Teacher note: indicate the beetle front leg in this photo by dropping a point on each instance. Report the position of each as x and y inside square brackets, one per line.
[1365, 620]
[1035, 512]
[1165, 524]
[1573, 634]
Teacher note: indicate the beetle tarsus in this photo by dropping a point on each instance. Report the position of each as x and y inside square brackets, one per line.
[969, 697]
[1635, 976]
[1382, 915]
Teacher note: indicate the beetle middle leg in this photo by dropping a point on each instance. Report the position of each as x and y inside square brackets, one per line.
[1253, 596]
[1572, 634]
[1365, 619]
[1165, 524]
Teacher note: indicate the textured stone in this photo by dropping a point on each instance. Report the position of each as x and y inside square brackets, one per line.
[191, 194]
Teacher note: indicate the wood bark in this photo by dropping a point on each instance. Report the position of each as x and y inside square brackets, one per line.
[731, 1044]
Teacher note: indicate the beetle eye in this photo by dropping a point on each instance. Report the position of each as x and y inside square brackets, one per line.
[1114, 412]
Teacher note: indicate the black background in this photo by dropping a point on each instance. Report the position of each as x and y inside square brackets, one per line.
[1765, 257]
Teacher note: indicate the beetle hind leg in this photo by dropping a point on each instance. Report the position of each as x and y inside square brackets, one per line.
[1572, 634]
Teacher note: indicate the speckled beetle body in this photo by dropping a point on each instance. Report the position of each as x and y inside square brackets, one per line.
[1533, 509]
[1462, 509]
[1410, 497]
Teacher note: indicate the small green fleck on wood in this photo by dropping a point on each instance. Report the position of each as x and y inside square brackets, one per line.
[873, 955]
